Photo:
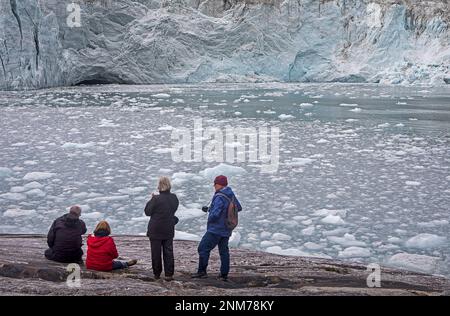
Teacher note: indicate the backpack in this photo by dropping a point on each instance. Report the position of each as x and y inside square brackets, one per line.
[232, 212]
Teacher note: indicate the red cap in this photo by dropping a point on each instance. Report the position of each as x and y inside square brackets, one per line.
[222, 180]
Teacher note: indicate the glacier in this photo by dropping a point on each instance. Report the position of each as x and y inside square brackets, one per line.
[195, 41]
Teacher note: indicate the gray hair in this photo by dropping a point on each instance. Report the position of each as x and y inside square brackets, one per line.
[75, 210]
[164, 184]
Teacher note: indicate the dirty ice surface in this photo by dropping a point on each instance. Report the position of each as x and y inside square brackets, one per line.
[364, 169]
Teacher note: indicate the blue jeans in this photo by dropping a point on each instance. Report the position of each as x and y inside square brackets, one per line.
[208, 243]
[119, 265]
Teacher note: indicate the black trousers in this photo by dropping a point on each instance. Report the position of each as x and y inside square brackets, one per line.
[74, 257]
[166, 248]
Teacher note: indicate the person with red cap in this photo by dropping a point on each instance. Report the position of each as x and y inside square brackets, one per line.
[218, 233]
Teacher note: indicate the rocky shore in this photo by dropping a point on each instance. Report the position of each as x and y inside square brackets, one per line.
[25, 271]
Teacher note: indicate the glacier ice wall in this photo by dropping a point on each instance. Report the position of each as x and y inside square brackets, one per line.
[176, 41]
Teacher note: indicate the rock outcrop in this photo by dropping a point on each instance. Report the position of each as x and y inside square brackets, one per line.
[25, 271]
[44, 44]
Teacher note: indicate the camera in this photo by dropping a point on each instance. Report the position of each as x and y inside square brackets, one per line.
[205, 209]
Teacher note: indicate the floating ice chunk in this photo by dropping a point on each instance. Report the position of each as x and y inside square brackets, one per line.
[18, 213]
[13, 196]
[308, 231]
[414, 262]
[399, 125]
[107, 198]
[285, 117]
[179, 235]
[325, 212]
[347, 241]
[78, 145]
[349, 104]
[425, 241]
[313, 246]
[434, 223]
[333, 220]
[412, 183]
[222, 169]
[165, 128]
[354, 252]
[179, 178]
[185, 213]
[36, 192]
[322, 141]
[306, 105]
[140, 219]
[21, 144]
[265, 235]
[238, 113]
[351, 120]
[274, 94]
[107, 123]
[17, 189]
[266, 244]
[235, 239]
[335, 232]
[5, 172]
[33, 185]
[269, 112]
[93, 215]
[384, 125]
[281, 237]
[161, 95]
[300, 161]
[394, 240]
[132, 191]
[36, 176]
[287, 252]
[356, 110]
[307, 222]
[163, 150]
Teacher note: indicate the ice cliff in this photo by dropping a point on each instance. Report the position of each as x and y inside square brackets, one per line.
[176, 41]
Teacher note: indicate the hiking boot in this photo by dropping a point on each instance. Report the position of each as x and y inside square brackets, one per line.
[223, 278]
[157, 277]
[168, 278]
[132, 262]
[199, 275]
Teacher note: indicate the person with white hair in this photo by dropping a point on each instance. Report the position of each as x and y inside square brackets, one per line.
[64, 238]
[161, 228]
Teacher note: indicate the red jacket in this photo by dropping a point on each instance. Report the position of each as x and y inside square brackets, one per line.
[100, 253]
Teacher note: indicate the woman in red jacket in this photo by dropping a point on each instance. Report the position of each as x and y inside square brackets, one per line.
[102, 251]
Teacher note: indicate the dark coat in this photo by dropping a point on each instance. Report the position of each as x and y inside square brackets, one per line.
[161, 209]
[64, 239]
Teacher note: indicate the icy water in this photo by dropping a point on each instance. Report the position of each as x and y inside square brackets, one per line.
[363, 174]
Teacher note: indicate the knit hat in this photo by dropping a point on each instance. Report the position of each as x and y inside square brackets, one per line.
[222, 180]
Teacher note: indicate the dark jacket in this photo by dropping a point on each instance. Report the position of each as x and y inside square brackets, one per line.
[218, 213]
[161, 209]
[64, 238]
